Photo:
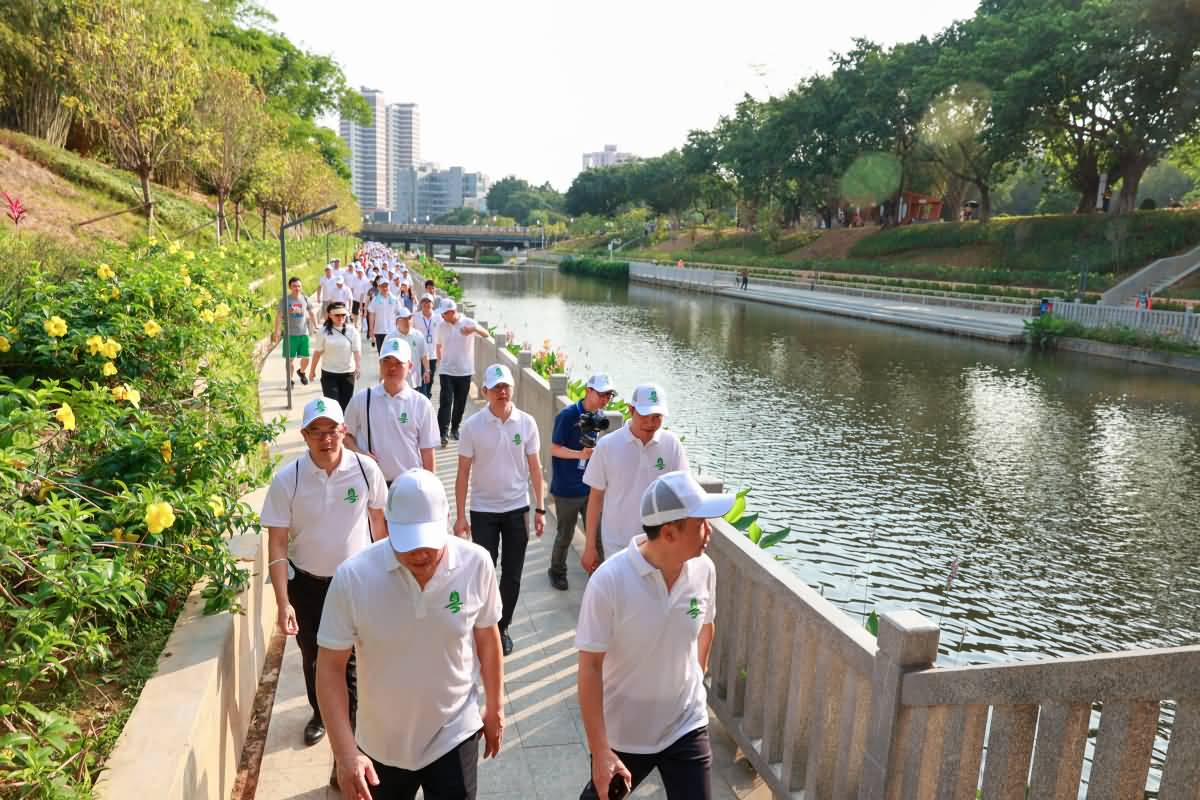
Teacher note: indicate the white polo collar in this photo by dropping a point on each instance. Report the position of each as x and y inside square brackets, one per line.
[400, 395]
[448, 563]
[494, 420]
[634, 440]
[346, 463]
[640, 565]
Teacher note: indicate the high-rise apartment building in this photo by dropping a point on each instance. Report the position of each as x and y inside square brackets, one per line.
[403, 146]
[608, 157]
[369, 154]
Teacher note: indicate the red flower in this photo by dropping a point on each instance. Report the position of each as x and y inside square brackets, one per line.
[16, 211]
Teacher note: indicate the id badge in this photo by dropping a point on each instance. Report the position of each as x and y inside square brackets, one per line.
[428, 338]
[582, 464]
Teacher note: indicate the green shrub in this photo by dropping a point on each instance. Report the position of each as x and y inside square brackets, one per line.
[595, 267]
[1052, 243]
[491, 258]
[129, 425]
[445, 278]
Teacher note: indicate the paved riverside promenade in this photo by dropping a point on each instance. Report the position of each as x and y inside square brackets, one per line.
[544, 756]
[979, 324]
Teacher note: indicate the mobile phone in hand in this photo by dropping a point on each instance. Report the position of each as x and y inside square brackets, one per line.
[618, 789]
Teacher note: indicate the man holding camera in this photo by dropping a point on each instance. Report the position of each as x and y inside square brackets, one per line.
[620, 469]
[571, 447]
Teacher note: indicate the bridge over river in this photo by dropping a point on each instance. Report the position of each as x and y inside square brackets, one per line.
[474, 236]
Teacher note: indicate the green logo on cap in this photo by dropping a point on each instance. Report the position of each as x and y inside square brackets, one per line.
[516, 438]
[321, 406]
[694, 610]
[351, 496]
[403, 417]
[660, 464]
[455, 604]
[653, 396]
[499, 371]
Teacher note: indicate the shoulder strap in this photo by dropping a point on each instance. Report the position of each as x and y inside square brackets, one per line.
[295, 486]
[367, 496]
[370, 449]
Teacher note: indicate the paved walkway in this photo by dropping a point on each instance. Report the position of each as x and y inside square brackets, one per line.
[544, 755]
[991, 325]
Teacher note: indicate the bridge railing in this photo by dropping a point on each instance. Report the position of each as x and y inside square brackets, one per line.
[449, 230]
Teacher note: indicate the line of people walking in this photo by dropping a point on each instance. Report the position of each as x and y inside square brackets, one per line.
[402, 619]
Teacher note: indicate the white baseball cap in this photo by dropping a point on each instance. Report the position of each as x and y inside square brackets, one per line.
[322, 408]
[601, 383]
[648, 398]
[496, 374]
[448, 305]
[417, 512]
[397, 348]
[403, 313]
[677, 495]
[340, 280]
[427, 296]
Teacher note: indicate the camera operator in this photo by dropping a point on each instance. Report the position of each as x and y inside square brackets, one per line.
[570, 448]
[621, 467]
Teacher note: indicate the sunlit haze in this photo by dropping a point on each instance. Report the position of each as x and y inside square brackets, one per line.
[527, 89]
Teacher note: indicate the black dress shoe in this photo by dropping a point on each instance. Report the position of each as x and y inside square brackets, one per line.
[506, 643]
[303, 377]
[314, 731]
[454, 435]
[445, 441]
[558, 581]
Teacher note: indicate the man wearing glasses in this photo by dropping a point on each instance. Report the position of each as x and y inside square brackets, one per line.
[321, 509]
[568, 460]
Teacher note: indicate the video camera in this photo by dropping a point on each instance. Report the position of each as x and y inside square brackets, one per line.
[591, 424]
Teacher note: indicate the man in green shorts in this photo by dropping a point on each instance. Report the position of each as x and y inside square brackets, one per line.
[300, 322]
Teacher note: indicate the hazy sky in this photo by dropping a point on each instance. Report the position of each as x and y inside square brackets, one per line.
[527, 88]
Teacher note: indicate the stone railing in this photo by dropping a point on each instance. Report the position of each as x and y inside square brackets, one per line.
[1183, 325]
[824, 710]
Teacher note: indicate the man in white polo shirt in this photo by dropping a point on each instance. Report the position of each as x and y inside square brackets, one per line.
[497, 457]
[621, 467]
[381, 315]
[456, 362]
[644, 635]
[425, 323]
[420, 353]
[391, 422]
[322, 508]
[420, 611]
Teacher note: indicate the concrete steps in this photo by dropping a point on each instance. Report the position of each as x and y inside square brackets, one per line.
[1159, 275]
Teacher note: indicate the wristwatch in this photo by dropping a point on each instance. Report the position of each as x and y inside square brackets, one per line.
[539, 511]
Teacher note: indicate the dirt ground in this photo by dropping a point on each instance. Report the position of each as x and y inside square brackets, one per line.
[834, 243]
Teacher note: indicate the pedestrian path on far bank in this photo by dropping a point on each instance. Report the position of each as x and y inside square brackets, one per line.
[544, 756]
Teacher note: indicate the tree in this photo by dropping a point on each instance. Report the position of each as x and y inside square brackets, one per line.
[233, 128]
[600, 191]
[33, 80]
[514, 197]
[135, 75]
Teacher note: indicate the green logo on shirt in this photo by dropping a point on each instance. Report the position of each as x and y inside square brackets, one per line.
[351, 496]
[516, 438]
[403, 417]
[694, 610]
[455, 604]
[660, 464]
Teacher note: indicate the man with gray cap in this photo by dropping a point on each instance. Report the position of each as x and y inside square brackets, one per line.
[420, 611]
[621, 467]
[644, 636]
[568, 459]
[322, 508]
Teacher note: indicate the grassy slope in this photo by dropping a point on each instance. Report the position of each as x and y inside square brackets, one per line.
[60, 188]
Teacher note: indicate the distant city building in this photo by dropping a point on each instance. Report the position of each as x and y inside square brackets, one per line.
[403, 145]
[608, 157]
[427, 192]
[368, 154]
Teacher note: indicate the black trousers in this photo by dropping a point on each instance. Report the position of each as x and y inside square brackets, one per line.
[455, 391]
[454, 776]
[338, 385]
[504, 535]
[306, 593]
[427, 386]
[685, 767]
[379, 337]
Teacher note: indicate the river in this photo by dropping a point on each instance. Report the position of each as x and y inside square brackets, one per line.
[1034, 504]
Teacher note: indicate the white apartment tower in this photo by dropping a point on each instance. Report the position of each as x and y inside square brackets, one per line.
[368, 154]
[403, 149]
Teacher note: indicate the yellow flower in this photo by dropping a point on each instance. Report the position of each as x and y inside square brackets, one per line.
[187, 280]
[166, 451]
[65, 416]
[151, 241]
[199, 444]
[56, 326]
[197, 301]
[118, 534]
[172, 248]
[217, 505]
[119, 392]
[159, 516]
[126, 393]
[5, 346]
[104, 272]
[188, 255]
[221, 311]
[44, 490]
[152, 328]
[94, 345]
[108, 369]
[208, 316]
[110, 348]
[134, 397]
[115, 293]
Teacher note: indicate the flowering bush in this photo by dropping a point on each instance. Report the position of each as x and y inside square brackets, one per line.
[128, 419]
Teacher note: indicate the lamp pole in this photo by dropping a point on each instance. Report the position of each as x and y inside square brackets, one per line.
[283, 277]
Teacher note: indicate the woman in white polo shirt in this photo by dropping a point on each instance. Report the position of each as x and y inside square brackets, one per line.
[338, 349]
[644, 635]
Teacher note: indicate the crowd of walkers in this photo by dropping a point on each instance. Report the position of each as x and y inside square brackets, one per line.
[402, 618]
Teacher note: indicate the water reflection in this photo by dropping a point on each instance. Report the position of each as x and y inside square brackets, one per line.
[1064, 488]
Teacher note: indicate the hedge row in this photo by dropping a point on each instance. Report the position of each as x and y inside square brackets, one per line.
[596, 267]
[129, 424]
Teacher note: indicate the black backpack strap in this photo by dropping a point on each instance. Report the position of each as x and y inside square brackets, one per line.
[367, 496]
[370, 449]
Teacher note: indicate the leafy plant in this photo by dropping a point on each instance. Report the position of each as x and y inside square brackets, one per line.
[748, 524]
[595, 267]
[15, 211]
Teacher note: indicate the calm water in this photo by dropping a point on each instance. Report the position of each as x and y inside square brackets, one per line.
[1066, 489]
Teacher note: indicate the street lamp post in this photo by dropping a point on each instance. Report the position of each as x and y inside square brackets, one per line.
[283, 229]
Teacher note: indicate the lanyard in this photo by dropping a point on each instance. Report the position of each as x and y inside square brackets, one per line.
[428, 323]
